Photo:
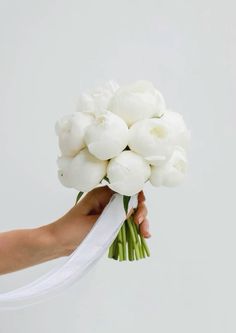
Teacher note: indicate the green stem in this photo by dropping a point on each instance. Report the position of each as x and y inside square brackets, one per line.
[138, 238]
[138, 241]
[115, 255]
[123, 233]
[111, 250]
[145, 246]
[130, 243]
[120, 248]
[143, 251]
[132, 233]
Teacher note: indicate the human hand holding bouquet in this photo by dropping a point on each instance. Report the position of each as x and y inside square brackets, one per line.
[71, 228]
[124, 137]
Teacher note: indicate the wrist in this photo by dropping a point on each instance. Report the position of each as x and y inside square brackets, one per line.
[52, 242]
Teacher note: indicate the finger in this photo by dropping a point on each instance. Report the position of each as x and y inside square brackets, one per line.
[101, 197]
[144, 228]
[95, 200]
[140, 213]
[131, 212]
[141, 196]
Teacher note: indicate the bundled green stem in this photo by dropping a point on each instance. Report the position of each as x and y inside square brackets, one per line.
[129, 243]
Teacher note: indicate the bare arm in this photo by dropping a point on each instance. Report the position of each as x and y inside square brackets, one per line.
[22, 248]
[27, 247]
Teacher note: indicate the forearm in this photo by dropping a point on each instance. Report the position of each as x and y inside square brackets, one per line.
[27, 247]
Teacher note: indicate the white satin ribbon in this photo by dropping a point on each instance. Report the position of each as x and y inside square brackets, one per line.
[78, 263]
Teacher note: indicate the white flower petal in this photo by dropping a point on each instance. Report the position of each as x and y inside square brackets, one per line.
[181, 135]
[151, 138]
[127, 173]
[137, 101]
[86, 171]
[172, 172]
[70, 130]
[107, 136]
[63, 164]
[97, 100]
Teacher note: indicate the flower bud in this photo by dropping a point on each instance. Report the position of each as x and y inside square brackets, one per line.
[107, 137]
[127, 173]
[98, 99]
[172, 172]
[70, 130]
[151, 138]
[63, 171]
[180, 133]
[137, 101]
[86, 171]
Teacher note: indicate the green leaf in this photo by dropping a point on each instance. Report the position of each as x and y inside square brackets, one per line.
[106, 179]
[78, 197]
[126, 200]
[159, 116]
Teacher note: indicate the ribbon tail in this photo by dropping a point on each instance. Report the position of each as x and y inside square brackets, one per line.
[91, 249]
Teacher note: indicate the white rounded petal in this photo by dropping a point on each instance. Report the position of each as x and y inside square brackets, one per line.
[86, 171]
[97, 100]
[160, 104]
[137, 101]
[127, 173]
[107, 137]
[151, 138]
[172, 172]
[181, 135]
[86, 103]
[70, 130]
[63, 164]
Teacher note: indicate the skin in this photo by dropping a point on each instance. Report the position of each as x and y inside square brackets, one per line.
[23, 248]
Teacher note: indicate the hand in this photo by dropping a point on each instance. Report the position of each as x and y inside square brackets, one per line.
[71, 228]
[27, 247]
[95, 201]
[140, 216]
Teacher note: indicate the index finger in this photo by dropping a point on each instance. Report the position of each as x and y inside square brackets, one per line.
[141, 197]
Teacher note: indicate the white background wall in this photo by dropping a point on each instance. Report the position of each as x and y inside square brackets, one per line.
[50, 51]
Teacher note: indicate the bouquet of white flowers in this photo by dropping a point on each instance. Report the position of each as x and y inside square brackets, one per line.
[123, 136]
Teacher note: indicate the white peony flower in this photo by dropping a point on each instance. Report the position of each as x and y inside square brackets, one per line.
[107, 137]
[70, 130]
[172, 172]
[153, 139]
[63, 164]
[97, 100]
[181, 135]
[82, 172]
[137, 101]
[127, 173]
